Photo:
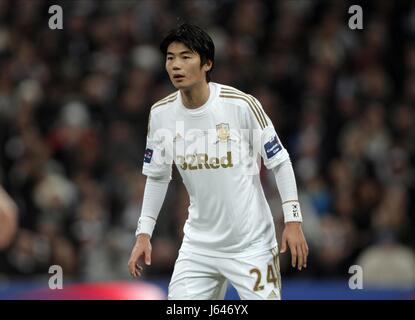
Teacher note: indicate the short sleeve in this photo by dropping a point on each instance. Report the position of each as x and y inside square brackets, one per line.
[156, 162]
[265, 138]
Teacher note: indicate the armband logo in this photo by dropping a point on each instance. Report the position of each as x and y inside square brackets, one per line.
[148, 154]
[272, 147]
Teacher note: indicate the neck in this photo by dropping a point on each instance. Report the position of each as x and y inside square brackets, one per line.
[196, 96]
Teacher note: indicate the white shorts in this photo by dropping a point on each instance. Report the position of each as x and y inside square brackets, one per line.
[200, 277]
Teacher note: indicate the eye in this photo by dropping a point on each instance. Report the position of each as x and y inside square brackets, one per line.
[186, 57]
[169, 58]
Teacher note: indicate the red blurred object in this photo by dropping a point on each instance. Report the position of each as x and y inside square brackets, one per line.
[98, 291]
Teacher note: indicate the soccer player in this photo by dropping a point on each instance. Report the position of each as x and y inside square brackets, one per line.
[215, 134]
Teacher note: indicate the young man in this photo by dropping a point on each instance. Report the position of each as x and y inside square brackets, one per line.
[216, 134]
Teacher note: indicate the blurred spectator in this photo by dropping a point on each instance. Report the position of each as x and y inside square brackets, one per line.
[388, 264]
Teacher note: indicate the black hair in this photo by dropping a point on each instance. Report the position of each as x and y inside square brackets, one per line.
[196, 39]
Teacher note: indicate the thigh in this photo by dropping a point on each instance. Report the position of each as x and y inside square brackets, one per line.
[196, 277]
[257, 277]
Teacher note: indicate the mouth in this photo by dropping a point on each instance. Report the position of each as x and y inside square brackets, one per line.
[178, 77]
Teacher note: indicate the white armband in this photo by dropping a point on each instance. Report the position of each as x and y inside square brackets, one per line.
[292, 211]
[145, 225]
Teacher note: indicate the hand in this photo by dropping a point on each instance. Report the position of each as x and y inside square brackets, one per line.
[293, 234]
[142, 247]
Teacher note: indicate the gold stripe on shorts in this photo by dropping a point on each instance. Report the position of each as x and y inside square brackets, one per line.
[275, 256]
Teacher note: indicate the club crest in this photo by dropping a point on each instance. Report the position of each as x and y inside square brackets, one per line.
[222, 131]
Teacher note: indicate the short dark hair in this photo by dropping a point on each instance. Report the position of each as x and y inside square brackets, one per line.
[196, 39]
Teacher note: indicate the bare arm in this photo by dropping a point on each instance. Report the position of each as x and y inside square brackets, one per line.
[8, 219]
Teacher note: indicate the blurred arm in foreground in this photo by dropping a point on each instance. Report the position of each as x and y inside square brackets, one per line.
[8, 219]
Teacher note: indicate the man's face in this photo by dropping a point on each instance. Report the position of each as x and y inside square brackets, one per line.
[183, 66]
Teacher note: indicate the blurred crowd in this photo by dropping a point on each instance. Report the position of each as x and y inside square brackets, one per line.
[74, 106]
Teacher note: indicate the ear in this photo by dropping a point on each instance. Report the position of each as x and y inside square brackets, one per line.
[208, 65]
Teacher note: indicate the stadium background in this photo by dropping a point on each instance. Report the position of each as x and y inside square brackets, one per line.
[74, 105]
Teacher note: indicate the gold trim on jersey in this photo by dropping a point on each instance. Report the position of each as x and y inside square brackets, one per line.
[169, 98]
[290, 201]
[251, 106]
[259, 107]
[255, 108]
[162, 102]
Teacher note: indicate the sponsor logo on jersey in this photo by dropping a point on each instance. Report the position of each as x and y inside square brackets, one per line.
[272, 147]
[203, 161]
[148, 154]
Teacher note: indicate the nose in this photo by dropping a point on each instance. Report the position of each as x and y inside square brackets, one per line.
[175, 66]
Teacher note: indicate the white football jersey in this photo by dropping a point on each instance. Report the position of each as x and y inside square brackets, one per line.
[217, 149]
